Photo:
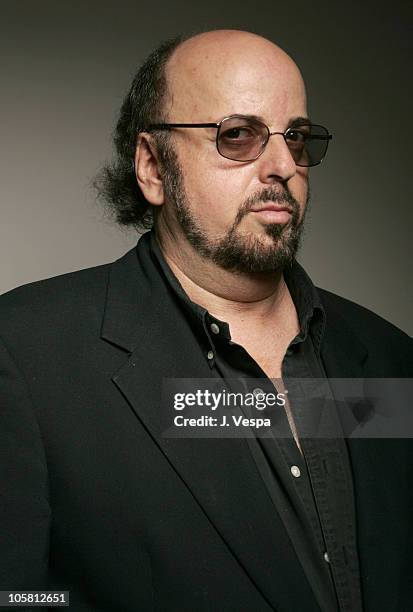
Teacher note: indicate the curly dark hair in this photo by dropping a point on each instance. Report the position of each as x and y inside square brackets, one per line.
[116, 183]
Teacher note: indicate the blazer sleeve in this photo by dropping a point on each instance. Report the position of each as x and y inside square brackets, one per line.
[24, 505]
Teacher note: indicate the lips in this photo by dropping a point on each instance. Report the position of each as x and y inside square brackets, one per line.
[272, 206]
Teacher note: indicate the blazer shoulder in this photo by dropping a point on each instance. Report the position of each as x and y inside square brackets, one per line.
[370, 328]
[62, 285]
[48, 303]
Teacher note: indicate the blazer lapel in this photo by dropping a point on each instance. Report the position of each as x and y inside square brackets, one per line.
[144, 320]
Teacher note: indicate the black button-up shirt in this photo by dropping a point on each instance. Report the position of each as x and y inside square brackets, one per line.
[313, 490]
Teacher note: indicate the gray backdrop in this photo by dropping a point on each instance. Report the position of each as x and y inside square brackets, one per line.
[66, 66]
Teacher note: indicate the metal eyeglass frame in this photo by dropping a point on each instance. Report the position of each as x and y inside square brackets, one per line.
[328, 137]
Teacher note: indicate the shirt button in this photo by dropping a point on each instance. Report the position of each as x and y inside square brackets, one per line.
[210, 355]
[258, 391]
[295, 471]
[214, 328]
[326, 557]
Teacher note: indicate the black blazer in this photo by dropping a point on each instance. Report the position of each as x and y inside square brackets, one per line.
[95, 501]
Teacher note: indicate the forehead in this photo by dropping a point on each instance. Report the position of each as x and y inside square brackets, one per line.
[207, 84]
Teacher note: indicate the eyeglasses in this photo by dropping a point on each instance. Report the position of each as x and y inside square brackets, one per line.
[244, 139]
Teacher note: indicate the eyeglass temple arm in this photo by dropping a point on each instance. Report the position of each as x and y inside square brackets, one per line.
[167, 126]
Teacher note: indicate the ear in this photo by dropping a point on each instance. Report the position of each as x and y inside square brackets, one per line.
[147, 170]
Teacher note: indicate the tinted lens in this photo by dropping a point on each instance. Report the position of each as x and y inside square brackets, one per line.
[308, 144]
[241, 138]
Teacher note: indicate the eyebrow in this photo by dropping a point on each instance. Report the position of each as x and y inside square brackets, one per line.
[297, 121]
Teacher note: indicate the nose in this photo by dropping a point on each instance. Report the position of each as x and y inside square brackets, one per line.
[276, 163]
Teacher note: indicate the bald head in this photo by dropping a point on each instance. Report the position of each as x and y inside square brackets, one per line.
[225, 46]
[229, 69]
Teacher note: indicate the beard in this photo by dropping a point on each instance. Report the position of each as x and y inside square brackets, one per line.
[237, 251]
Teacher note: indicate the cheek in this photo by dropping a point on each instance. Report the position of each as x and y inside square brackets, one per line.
[213, 201]
[215, 193]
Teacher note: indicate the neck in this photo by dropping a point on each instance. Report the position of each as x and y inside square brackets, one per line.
[234, 297]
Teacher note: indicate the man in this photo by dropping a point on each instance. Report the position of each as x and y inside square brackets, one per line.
[214, 144]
